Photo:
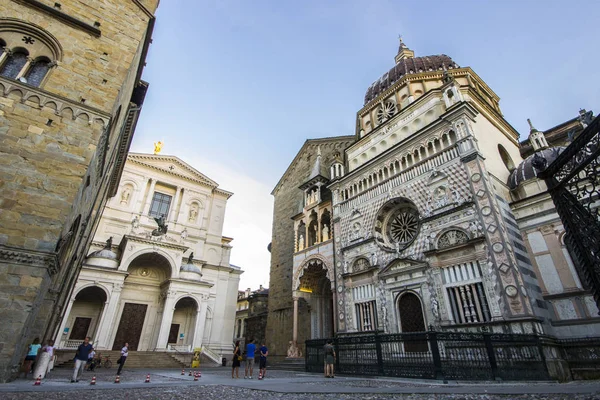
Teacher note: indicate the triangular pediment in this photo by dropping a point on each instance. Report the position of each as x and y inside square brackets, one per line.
[171, 165]
[402, 266]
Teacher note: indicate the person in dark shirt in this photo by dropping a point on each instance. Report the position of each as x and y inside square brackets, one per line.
[264, 352]
[81, 358]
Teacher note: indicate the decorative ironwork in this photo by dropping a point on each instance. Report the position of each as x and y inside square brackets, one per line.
[440, 355]
[573, 181]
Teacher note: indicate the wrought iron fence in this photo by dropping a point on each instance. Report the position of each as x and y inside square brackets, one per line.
[573, 181]
[435, 355]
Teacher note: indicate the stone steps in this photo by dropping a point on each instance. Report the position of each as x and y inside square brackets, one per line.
[136, 359]
[288, 364]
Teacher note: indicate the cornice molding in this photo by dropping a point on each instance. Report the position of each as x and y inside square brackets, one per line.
[29, 258]
[50, 100]
[167, 245]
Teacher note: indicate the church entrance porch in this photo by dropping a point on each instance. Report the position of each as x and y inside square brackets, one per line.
[84, 317]
[313, 286]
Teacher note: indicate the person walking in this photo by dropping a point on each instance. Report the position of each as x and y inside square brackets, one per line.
[237, 358]
[42, 365]
[250, 350]
[123, 358]
[81, 358]
[264, 352]
[31, 356]
[329, 359]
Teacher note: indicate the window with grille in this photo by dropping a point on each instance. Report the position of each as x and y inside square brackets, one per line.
[466, 294]
[468, 303]
[366, 316]
[160, 205]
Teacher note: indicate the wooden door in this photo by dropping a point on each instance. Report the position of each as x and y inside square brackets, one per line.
[411, 320]
[173, 334]
[130, 327]
[80, 328]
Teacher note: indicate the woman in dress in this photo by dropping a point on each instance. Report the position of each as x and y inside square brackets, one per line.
[32, 352]
[237, 356]
[43, 361]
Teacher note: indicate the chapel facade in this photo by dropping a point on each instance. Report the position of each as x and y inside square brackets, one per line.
[70, 96]
[170, 289]
[424, 229]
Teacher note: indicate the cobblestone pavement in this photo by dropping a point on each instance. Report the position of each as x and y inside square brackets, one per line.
[286, 385]
[231, 393]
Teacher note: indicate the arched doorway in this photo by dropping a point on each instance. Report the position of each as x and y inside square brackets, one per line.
[183, 324]
[141, 302]
[411, 320]
[85, 314]
[316, 290]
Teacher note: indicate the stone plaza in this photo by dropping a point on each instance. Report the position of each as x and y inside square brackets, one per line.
[217, 383]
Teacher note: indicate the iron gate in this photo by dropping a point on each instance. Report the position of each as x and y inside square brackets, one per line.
[445, 355]
[573, 181]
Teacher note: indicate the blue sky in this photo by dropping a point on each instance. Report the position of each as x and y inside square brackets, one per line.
[236, 87]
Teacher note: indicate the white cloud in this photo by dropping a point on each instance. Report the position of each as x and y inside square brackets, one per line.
[248, 220]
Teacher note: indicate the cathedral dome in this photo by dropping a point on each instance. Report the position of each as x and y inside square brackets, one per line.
[406, 66]
[526, 170]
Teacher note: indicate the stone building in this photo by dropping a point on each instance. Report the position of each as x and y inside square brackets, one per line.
[256, 321]
[430, 227]
[290, 201]
[157, 291]
[70, 97]
[241, 314]
[573, 311]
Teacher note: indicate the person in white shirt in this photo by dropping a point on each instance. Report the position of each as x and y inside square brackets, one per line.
[124, 354]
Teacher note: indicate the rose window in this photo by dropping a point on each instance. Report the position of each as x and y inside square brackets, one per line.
[397, 225]
[403, 226]
[386, 111]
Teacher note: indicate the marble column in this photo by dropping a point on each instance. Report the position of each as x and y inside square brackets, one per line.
[200, 323]
[59, 337]
[108, 319]
[295, 326]
[150, 195]
[165, 324]
[175, 210]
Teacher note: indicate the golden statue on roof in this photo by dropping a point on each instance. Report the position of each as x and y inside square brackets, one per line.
[157, 147]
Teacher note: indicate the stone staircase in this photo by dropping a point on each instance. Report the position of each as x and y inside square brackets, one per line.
[136, 359]
[288, 364]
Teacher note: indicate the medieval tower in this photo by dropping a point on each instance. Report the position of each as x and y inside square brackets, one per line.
[70, 97]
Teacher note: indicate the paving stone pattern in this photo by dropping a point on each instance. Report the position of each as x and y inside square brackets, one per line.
[227, 393]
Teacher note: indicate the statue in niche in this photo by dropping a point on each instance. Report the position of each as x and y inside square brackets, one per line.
[135, 223]
[435, 308]
[125, 195]
[373, 259]
[193, 213]
[301, 243]
[474, 229]
[184, 235]
[293, 351]
[429, 242]
[162, 226]
[325, 232]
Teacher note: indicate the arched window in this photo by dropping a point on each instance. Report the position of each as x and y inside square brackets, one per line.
[28, 51]
[14, 63]
[37, 71]
[508, 162]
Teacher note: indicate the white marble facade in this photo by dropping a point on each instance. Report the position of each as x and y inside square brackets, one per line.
[145, 289]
